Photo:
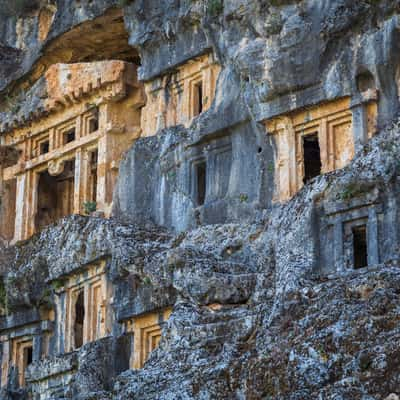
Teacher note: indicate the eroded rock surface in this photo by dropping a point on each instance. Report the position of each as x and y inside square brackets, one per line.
[274, 300]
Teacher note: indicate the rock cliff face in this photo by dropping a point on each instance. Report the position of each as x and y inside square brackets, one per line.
[290, 300]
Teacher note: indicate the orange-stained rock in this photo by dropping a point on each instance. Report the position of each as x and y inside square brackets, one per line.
[178, 97]
[96, 292]
[68, 157]
[332, 123]
[147, 331]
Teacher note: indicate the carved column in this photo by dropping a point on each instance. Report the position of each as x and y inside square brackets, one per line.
[20, 207]
[338, 245]
[360, 108]
[5, 360]
[372, 238]
[78, 181]
[287, 159]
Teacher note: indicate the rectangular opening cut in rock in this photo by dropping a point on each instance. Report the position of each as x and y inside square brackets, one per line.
[93, 121]
[27, 356]
[55, 195]
[312, 157]
[201, 182]
[44, 147]
[22, 357]
[198, 98]
[93, 163]
[360, 246]
[69, 136]
[79, 309]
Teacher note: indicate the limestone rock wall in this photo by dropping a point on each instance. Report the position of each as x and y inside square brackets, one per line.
[266, 300]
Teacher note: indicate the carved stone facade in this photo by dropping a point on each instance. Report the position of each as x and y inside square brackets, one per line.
[316, 140]
[83, 308]
[24, 338]
[176, 98]
[69, 153]
[146, 330]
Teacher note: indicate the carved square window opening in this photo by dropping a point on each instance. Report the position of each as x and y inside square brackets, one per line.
[91, 121]
[40, 145]
[69, 136]
[66, 133]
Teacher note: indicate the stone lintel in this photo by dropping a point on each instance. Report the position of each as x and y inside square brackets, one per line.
[338, 207]
[145, 301]
[53, 366]
[19, 319]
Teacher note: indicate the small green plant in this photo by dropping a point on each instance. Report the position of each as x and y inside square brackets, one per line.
[3, 296]
[243, 197]
[171, 174]
[147, 280]
[270, 167]
[89, 207]
[352, 190]
[123, 3]
[57, 284]
[215, 7]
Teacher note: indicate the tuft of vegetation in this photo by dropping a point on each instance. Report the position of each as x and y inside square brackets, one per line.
[147, 280]
[17, 8]
[57, 284]
[3, 296]
[351, 191]
[89, 207]
[243, 197]
[123, 3]
[215, 7]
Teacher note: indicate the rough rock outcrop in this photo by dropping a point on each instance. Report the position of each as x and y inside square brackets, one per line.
[265, 303]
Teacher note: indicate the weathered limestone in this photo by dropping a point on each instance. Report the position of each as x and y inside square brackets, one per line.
[146, 330]
[46, 17]
[177, 97]
[70, 153]
[330, 126]
[83, 304]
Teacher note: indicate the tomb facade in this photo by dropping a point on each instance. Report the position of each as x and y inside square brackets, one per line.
[352, 231]
[315, 141]
[83, 308]
[69, 153]
[146, 330]
[24, 338]
[177, 97]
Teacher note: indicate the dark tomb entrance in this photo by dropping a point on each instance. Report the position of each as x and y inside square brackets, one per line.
[312, 157]
[360, 248]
